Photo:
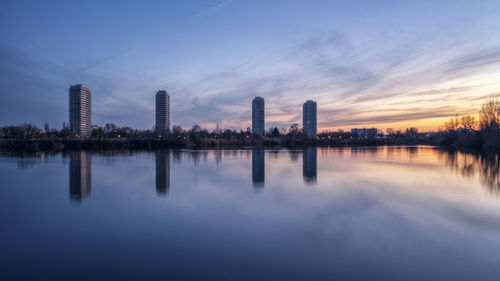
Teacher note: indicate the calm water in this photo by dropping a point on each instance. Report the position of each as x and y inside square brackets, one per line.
[387, 213]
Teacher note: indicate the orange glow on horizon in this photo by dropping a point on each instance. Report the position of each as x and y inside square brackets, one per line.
[423, 125]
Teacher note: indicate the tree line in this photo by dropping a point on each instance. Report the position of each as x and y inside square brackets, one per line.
[465, 132]
[469, 132]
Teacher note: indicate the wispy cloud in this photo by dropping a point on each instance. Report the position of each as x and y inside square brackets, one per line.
[360, 73]
[213, 9]
[331, 70]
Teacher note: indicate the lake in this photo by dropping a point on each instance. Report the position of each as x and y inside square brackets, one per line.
[377, 213]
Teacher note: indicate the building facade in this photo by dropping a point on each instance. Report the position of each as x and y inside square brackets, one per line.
[162, 124]
[309, 119]
[364, 132]
[258, 122]
[80, 111]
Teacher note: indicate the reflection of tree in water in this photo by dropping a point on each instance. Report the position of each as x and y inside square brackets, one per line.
[469, 165]
[27, 159]
[412, 151]
[274, 154]
[490, 172]
[294, 155]
[218, 156]
[460, 163]
[195, 157]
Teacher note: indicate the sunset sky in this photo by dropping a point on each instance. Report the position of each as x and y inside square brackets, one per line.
[385, 64]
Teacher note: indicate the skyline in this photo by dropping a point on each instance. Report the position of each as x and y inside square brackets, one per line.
[396, 65]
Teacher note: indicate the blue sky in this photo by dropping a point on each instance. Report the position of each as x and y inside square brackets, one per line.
[388, 64]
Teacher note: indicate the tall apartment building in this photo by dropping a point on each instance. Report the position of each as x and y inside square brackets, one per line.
[258, 116]
[162, 124]
[309, 119]
[80, 111]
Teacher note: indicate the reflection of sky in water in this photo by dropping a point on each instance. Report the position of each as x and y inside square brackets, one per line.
[354, 213]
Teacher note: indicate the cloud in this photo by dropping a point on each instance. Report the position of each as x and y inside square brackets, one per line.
[476, 59]
[214, 9]
[347, 83]
[354, 82]
[27, 90]
[352, 117]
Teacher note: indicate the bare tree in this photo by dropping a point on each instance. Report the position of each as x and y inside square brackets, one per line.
[469, 122]
[294, 129]
[452, 125]
[489, 115]
[177, 130]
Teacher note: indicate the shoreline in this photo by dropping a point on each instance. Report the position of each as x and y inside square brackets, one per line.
[55, 145]
[137, 145]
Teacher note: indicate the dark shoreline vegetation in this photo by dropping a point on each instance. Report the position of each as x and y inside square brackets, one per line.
[152, 144]
[459, 139]
[465, 133]
[448, 140]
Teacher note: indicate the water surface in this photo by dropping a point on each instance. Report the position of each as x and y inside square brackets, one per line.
[386, 213]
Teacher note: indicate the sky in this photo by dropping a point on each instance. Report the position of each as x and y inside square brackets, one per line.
[384, 64]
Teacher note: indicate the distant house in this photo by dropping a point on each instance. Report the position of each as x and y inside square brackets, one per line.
[364, 132]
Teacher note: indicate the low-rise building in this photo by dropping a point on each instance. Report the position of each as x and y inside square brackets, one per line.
[364, 132]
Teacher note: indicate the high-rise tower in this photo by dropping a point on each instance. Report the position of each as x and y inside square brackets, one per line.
[258, 116]
[309, 119]
[80, 111]
[162, 111]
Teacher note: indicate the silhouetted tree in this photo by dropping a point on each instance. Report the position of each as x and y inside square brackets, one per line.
[274, 132]
[452, 125]
[177, 130]
[468, 122]
[489, 115]
[294, 130]
[109, 128]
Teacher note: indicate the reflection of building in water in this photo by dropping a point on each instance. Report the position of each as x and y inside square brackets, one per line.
[258, 168]
[309, 165]
[162, 158]
[79, 175]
